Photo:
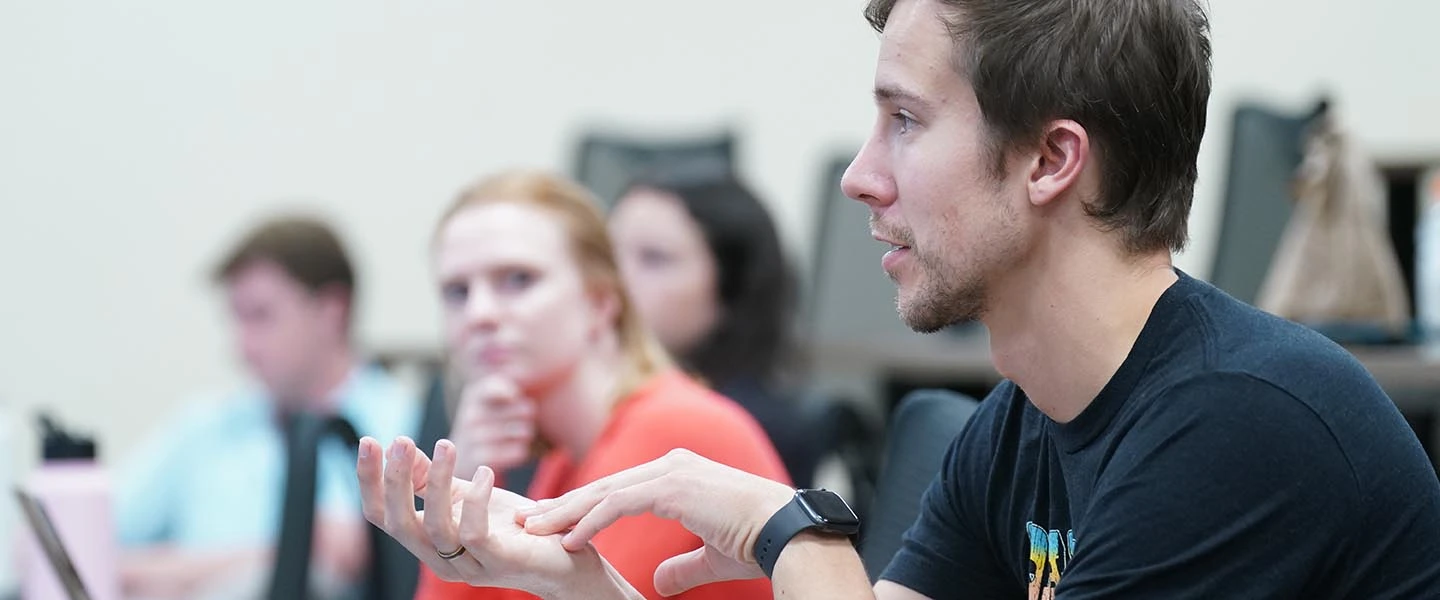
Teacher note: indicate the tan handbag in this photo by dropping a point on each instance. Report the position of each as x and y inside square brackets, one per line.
[1335, 264]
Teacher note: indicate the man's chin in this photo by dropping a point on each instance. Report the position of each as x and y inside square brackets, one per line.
[922, 324]
[927, 316]
[917, 318]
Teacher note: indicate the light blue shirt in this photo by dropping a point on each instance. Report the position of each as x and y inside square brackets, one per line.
[215, 477]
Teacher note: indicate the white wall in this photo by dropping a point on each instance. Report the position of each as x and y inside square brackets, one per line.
[138, 139]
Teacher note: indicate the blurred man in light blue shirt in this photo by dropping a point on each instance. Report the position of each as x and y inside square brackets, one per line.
[199, 507]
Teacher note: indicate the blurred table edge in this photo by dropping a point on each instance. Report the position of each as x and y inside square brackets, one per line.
[1409, 374]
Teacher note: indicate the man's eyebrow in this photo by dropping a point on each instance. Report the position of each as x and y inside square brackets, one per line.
[896, 95]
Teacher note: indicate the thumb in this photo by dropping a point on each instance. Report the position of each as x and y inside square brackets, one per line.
[479, 396]
[698, 567]
[496, 386]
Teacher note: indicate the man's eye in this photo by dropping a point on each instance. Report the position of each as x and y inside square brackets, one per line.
[903, 120]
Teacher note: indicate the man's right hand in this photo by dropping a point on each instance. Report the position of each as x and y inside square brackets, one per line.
[494, 426]
[724, 506]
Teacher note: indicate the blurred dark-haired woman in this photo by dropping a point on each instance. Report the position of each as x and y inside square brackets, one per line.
[704, 262]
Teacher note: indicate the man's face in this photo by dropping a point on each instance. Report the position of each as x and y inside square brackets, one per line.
[281, 328]
[927, 175]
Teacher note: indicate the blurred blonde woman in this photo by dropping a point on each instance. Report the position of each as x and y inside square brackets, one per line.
[539, 324]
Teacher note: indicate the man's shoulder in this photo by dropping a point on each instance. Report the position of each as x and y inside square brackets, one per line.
[1350, 438]
[1225, 340]
[1215, 393]
[214, 413]
[204, 422]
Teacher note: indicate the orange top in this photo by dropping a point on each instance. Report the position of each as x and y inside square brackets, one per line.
[670, 411]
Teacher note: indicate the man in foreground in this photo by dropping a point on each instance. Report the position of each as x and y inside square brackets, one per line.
[1033, 167]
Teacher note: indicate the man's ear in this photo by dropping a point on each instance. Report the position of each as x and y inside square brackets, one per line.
[1061, 157]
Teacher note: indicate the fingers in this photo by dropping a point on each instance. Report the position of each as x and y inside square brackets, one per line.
[405, 466]
[558, 514]
[633, 500]
[492, 398]
[369, 468]
[516, 414]
[494, 426]
[724, 506]
[400, 517]
[496, 386]
[439, 512]
[475, 512]
[678, 574]
[388, 489]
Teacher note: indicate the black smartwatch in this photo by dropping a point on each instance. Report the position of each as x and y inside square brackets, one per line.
[821, 510]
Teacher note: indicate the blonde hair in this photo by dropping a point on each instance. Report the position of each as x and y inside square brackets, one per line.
[579, 213]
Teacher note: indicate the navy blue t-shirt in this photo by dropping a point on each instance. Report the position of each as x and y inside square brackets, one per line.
[1233, 455]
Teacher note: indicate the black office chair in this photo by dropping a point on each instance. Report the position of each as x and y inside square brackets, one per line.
[924, 425]
[846, 433]
[606, 163]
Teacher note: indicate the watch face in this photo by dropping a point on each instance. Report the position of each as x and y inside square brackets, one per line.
[829, 508]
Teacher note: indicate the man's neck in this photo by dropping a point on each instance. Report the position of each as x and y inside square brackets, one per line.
[1061, 326]
[573, 411]
[331, 375]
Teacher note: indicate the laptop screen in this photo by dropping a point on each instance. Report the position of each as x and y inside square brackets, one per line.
[50, 542]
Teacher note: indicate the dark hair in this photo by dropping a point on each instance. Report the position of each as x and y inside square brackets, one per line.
[1134, 73]
[305, 248]
[756, 287]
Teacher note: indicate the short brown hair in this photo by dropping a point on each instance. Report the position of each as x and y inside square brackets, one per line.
[590, 246]
[305, 248]
[1134, 73]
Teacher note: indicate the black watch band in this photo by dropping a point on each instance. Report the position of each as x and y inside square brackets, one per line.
[783, 525]
[821, 510]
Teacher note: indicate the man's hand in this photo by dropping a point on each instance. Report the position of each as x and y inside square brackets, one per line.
[475, 524]
[494, 426]
[725, 507]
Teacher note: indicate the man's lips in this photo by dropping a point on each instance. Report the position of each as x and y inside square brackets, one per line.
[890, 240]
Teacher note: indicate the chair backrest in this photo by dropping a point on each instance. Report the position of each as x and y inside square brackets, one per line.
[848, 296]
[607, 163]
[850, 437]
[924, 425]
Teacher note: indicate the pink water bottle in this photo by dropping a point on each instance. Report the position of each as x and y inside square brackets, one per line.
[75, 493]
